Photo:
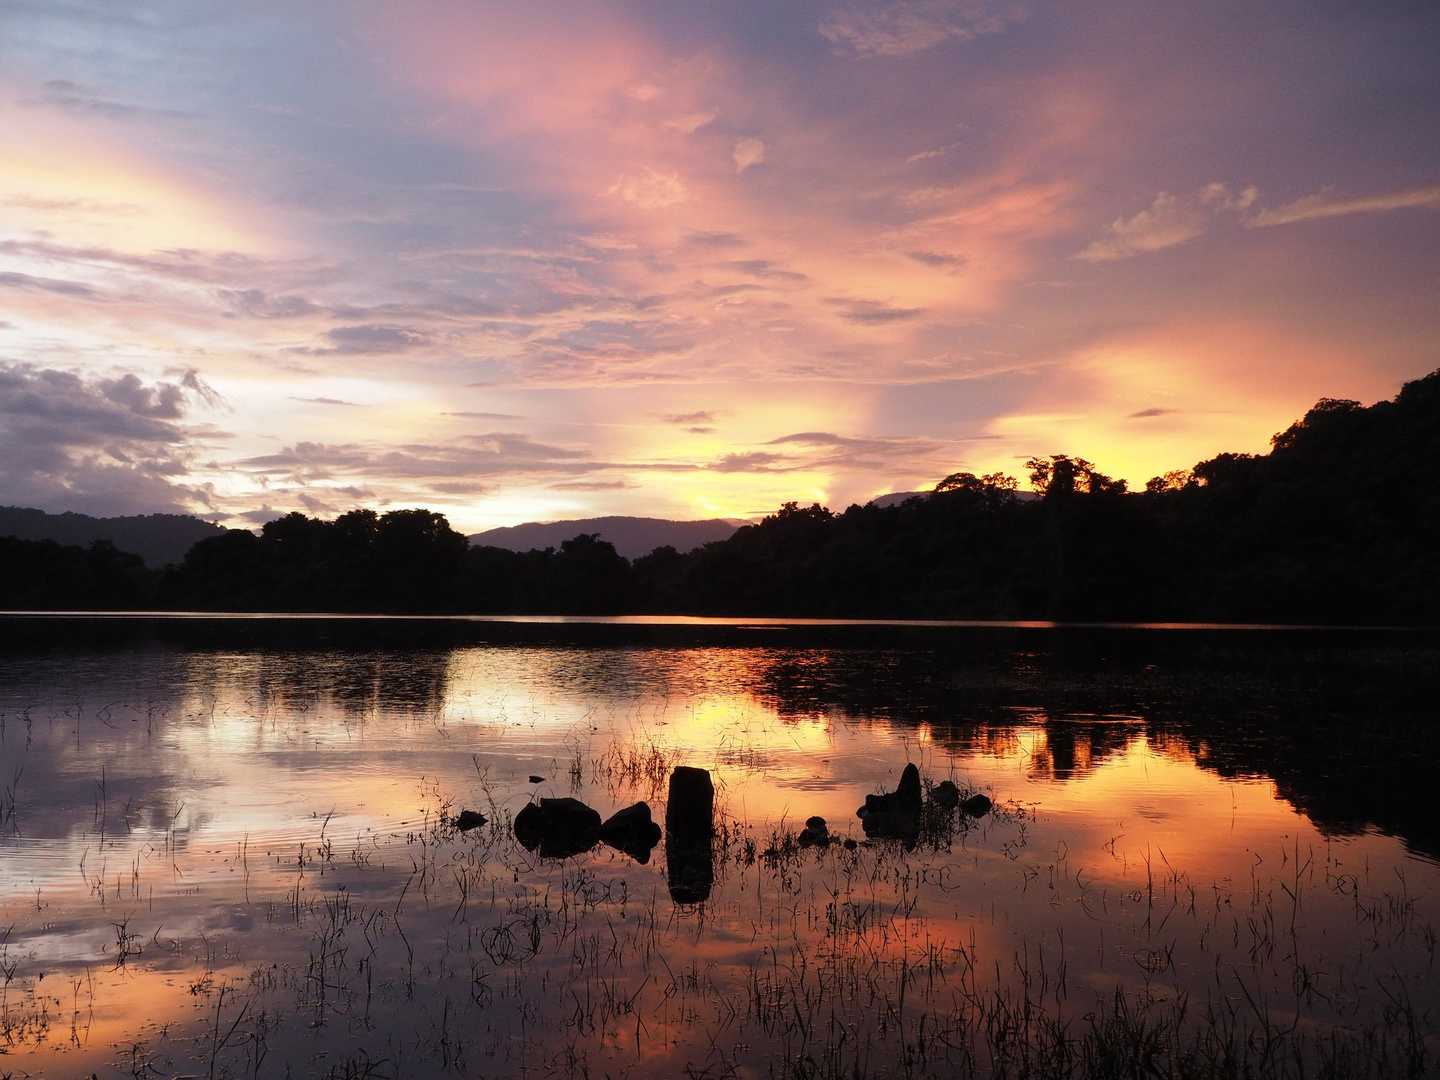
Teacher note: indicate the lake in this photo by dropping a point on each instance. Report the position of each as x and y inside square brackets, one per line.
[231, 847]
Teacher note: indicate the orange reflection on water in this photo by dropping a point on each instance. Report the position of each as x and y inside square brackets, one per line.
[269, 839]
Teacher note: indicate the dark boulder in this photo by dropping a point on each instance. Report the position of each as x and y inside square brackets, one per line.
[907, 795]
[976, 805]
[469, 819]
[815, 834]
[890, 825]
[945, 795]
[558, 827]
[530, 826]
[632, 831]
[536, 779]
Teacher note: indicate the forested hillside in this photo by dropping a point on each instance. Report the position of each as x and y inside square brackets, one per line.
[1339, 522]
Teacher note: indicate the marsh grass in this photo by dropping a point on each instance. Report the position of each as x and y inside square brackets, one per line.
[468, 957]
[981, 949]
[639, 765]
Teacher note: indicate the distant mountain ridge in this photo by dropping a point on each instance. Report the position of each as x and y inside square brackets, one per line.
[896, 498]
[159, 539]
[633, 537]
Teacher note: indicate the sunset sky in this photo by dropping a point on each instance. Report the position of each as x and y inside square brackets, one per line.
[519, 261]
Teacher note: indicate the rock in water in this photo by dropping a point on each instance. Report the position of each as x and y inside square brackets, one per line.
[558, 827]
[815, 833]
[976, 805]
[945, 794]
[530, 826]
[469, 819]
[631, 821]
[690, 809]
[895, 815]
[570, 828]
[908, 796]
[632, 831]
[689, 826]
[886, 824]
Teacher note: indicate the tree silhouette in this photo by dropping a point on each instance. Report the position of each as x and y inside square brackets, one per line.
[1339, 522]
[1060, 476]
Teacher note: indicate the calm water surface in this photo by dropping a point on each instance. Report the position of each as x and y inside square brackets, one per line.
[241, 860]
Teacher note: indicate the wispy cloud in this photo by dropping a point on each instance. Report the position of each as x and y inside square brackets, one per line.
[764, 268]
[748, 151]
[871, 312]
[832, 449]
[689, 123]
[753, 461]
[12, 280]
[70, 95]
[936, 258]
[1172, 220]
[258, 304]
[650, 188]
[703, 416]
[1168, 221]
[1327, 206]
[594, 485]
[354, 340]
[896, 29]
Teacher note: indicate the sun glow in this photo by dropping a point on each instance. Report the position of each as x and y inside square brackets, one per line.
[73, 185]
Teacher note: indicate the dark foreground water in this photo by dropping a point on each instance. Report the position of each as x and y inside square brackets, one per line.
[228, 848]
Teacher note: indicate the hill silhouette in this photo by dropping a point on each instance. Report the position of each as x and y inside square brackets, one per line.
[632, 537]
[1338, 523]
[159, 539]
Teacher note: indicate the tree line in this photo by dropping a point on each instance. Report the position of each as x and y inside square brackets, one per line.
[1339, 522]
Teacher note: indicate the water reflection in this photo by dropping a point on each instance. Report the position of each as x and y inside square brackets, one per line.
[360, 684]
[263, 842]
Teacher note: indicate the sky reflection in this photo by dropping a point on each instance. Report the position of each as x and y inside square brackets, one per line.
[193, 836]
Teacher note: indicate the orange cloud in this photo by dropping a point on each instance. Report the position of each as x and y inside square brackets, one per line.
[643, 151]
